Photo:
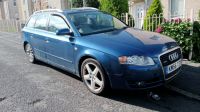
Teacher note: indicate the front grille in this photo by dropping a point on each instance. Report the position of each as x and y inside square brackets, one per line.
[165, 57]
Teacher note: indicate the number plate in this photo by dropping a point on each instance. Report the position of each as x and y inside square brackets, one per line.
[174, 66]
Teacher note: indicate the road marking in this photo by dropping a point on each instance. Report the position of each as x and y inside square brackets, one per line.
[183, 92]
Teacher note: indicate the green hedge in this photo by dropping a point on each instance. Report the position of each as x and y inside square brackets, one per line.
[115, 7]
[196, 41]
[181, 31]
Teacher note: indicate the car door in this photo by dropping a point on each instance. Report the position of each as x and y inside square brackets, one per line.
[38, 37]
[60, 50]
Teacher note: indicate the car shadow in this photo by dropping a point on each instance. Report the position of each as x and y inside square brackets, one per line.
[141, 98]
[58, 69]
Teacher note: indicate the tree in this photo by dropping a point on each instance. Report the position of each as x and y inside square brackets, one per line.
[77, 3]
[150, 22]
[92, 3]
[88, 3]
[115, 7]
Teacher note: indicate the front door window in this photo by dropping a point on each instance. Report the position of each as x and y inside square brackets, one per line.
[56, 23]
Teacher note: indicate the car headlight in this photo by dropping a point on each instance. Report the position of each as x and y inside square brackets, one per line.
[136, 60]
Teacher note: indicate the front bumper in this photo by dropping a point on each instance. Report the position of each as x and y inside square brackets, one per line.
[142, 77]
[134, 77]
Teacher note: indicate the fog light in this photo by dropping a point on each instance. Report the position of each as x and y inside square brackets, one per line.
[140, 83]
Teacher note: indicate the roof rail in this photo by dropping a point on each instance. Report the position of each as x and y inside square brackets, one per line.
[48, 10]
[86, 8]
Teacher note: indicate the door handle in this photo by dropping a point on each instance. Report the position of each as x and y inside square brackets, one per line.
[31, 36]
[46, 41]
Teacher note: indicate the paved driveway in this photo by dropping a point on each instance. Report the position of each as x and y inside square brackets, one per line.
[26, 87]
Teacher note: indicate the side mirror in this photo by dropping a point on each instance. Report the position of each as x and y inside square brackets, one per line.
[64, 32]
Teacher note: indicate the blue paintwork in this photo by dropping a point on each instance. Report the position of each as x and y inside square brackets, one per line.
[66, 51]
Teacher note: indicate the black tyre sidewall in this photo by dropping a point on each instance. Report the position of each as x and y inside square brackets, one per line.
[34, 60]
[104, 78]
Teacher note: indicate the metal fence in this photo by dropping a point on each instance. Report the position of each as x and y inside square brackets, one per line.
[128, 19]
[155, 20]
[136, 22]
[11, 25]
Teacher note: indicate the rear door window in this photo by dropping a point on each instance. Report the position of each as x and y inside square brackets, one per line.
[41, 22]
[31, 22]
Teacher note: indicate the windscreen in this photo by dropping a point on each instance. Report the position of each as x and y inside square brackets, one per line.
[95, 22]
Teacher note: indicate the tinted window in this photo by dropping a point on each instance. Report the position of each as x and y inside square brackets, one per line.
[31, 22]
[41, 22]
[56, 23]
[95, 22]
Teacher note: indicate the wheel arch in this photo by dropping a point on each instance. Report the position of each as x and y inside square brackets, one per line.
[84, 57]
[95, 58]
[24, 44]
[81, 60]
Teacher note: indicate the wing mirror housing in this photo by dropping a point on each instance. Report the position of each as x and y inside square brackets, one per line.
[64, 31]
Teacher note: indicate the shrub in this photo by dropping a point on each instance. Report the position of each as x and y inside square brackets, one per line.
[92, 3]
[180, 31]
[77, 3]
[88, 3]
[196, 41]
[115, 7]
[150, 22]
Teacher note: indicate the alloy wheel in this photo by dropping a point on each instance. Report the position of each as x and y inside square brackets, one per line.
[29, 52]
[93, 77]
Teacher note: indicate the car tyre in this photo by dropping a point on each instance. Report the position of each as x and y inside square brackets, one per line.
[29, 52]
[94, 77]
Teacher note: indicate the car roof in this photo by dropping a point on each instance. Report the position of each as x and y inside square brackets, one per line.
[73, 10]
[82, 9]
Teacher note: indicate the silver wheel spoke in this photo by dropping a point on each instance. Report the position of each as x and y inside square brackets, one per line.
[92, 85]
[98, 82]
[96, 70]
[93, 77]
[88, 68]
[29, 52]
[87, 77]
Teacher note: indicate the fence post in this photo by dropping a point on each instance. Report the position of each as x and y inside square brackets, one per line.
[127, 18]
[191, 33]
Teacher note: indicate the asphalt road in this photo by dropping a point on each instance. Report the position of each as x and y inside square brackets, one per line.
[26, 87]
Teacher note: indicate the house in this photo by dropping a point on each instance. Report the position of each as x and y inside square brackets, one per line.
[171, 9]
[50, 4]
[9, 10]
[25, 8]
[59, 4]
[29, 6]
[22, 9]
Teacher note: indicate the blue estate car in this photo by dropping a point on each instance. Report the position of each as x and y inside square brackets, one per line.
[101, 49]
